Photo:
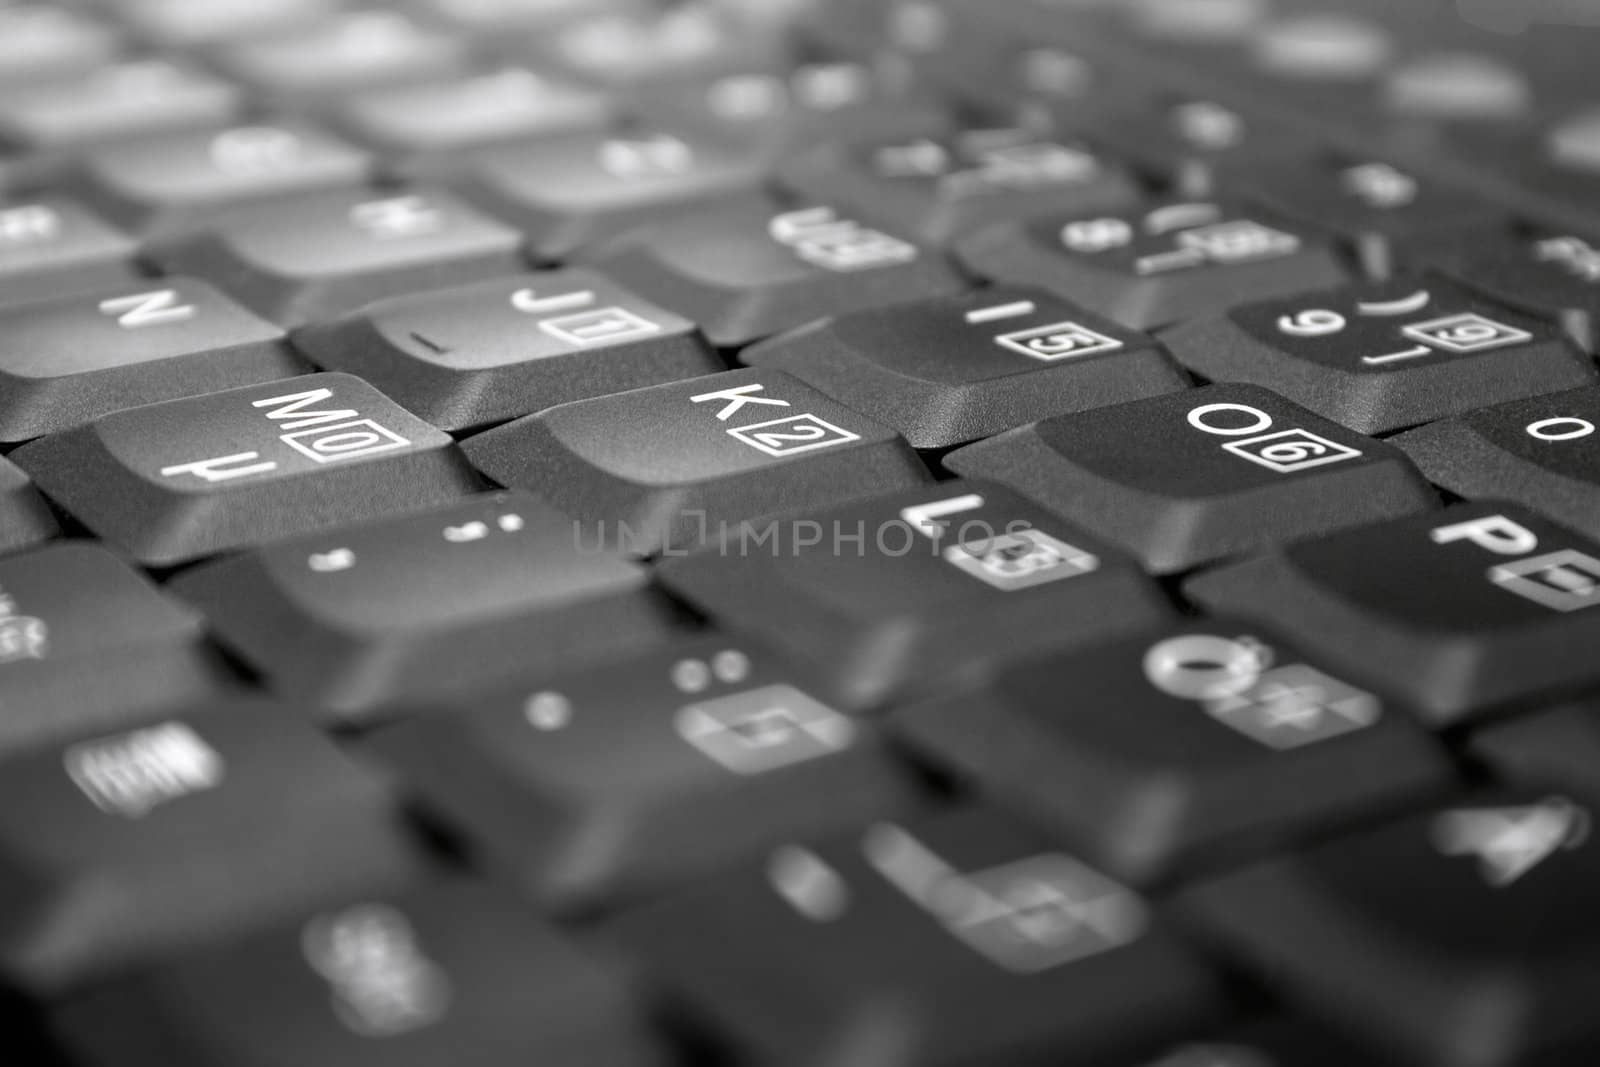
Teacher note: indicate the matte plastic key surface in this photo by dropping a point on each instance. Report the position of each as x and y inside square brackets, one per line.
[1459, 612]
[118, 848]
[1540, 452]
[1198, 476]
[68, 361]
[469, 357]
[949, 370]
[174, 481]
[88, 643]
[590, 788]
[1185, 747]
[50, 247]
[958, 940]
[317, 255]
[1378, 357]
[405, 609]
[129, 98]
[669, 467]
[39, 42]
[901, 593]
[756, 268]
[451, 972]
[1553, 275]
[570, 192]
[1459, 936]
[24, 516]
[158, 186]
[1162, 264]
[939, 188]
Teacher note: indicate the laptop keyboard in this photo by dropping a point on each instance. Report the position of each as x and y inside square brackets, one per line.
[823, 533]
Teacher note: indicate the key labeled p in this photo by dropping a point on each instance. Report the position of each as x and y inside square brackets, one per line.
[1492, 533]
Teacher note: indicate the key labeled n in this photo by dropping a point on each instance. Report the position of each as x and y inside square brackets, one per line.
[159, 307]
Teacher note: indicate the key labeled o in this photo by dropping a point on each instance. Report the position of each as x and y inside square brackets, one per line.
[1203, 418]
[1560, 428]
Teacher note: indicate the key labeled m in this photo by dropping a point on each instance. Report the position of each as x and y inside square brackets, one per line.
[330, 435]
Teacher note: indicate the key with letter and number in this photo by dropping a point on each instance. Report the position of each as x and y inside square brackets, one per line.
[173, 481]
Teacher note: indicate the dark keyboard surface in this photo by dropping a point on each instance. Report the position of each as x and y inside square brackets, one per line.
[799, 533]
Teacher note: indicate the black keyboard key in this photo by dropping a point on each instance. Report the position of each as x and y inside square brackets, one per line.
[755, 268]
[599, 787]
[671, 466]
[1199, 476]
[570, 192]
[1157, 266]
[1457, 936]
[1382, 356]
[423, 129]
[120, 848]
[403, 610]
[1270, 1041]
[50, 247]
[1459, 612]
[940, 188]
[637, 50]
[470, 357]
[317, 255]
[962, 940]
[25, 518]
[1185, 747]
[307, 65]
[66, 362]
[899, 594]
[1191, 146]
[130, 98]
[157, 186]
[455, 973]
[1539, 452]
[87, 643]
[173, 481]
[950, 370]
[1384, 215]
[1558, 749]
[1555, 276]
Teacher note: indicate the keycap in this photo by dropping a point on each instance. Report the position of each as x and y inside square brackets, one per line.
[1449, 937]
[1554, 749]
[1555, 276]
[1191, 145]
[1269, 1041]
[961, 940]
[158, 186]
[492, 18]
[350, 51]
[1150, 268]
[918, 590]
[402, 610]
[752, 269]
[1458, 613]
[469, 357]
[174, 481]
[122, 847]
[46, 43]
[129, 98]
[423, 128]
[1536, 452]
[1181, 749]
[456, 971]
[318, 255]
[939, 188]
[622, 49]
[1383, 356]
[572, 191]
[67, 361]
[1199, 476]
[781, 113]
[668, 467]
[88, 643]
[25, 518]
[599, 787]
[1381, 213]
[50, 247]
[946, 371]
